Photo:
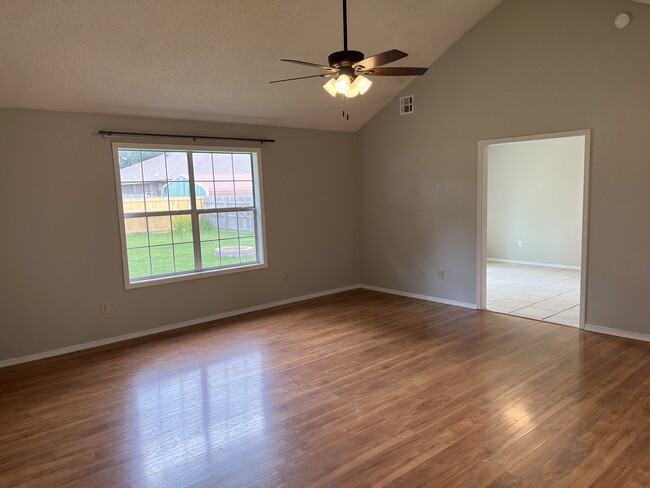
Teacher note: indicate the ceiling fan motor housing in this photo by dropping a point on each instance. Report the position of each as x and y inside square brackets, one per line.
[342, 59]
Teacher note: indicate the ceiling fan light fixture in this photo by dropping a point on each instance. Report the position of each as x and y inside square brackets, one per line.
[351, 93]
[330, 87]
[343, 83]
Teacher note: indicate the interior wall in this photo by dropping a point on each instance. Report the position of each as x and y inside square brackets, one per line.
[60, 251]
[534, 201]
[529, 67]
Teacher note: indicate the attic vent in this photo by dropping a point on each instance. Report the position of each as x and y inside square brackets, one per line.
[406, 105]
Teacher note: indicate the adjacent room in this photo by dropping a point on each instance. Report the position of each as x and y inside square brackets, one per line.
[324, 244]
[535, 227]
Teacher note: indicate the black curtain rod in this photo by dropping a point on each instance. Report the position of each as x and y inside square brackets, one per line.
[184, 136]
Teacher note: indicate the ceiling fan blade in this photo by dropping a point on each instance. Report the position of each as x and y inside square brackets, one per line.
[395, 71]
[306, 63]
[380, 59]
[324, 75]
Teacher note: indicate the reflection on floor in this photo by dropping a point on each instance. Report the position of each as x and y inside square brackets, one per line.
[537, 292]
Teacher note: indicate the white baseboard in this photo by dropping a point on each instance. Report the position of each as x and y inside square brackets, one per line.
[617, 332]
[421, 297]
[532, 263]
[200, 320]
[164, 328]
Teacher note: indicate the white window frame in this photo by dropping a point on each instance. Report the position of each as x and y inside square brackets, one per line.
[260, 231]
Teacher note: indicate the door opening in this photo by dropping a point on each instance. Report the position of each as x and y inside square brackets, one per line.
[532, 236]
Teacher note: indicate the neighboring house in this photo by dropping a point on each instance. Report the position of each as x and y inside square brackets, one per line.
[221, 178]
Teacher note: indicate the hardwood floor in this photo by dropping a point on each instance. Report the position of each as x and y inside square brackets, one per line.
[359, 389]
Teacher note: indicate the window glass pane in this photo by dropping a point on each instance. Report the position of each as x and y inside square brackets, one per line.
[242, 166]
[247, 244]
[246, 224]
[228, 225]
[159, 230]
[153, 167]
[204, 191]
[132, 197]
[247, 250]
[184, 255]
[229, 251]
[154, 201]
[202, 166]
[224, 194]
[210, 254]
[208, 227]
[179, 194]
[136, 232]
[244, 193]
[222, 164]
[139, 264]
[182, 228]
[130, 168]
[162, 260]
[175, 182]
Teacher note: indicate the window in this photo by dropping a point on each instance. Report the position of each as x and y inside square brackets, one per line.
[406, 105]
[188, 212]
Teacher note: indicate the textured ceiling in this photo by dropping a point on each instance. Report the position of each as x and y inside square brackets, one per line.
[212, 59]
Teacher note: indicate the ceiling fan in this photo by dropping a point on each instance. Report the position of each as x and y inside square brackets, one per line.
[347, 68]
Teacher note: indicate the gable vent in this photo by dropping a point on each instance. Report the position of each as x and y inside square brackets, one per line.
[406, 105]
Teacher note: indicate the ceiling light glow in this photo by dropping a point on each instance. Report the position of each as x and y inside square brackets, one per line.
[342, 83]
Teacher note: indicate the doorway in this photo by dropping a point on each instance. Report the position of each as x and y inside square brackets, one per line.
[532, 236]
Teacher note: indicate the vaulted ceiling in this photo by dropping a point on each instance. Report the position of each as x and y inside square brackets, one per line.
[213, 59]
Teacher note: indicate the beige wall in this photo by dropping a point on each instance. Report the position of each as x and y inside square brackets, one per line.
[531, 67]
[60, 250]
[534, 198]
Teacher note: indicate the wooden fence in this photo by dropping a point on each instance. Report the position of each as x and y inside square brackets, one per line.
[157, 204]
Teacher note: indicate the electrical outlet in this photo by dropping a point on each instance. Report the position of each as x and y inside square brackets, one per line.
[441, 273]
[103, 308]
[286, 276]
[422, 272]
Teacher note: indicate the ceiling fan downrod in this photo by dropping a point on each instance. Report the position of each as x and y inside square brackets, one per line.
[345, 25]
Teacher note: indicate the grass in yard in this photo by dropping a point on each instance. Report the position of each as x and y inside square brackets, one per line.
[177, 255]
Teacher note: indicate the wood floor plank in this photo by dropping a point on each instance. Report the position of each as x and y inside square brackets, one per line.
[358, 389]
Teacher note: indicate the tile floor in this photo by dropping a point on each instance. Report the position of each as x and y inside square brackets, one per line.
[537, 292]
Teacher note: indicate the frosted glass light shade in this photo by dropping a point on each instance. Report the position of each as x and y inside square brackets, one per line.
[342, 83]
[362, 84]
[359, 86]
[330, 87]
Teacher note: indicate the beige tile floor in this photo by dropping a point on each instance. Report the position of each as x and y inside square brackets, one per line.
[538, 292]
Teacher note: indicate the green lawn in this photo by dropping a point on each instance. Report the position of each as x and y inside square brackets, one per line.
[177, 255]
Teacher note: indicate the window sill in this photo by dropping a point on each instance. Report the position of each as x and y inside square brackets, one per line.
[195, 275]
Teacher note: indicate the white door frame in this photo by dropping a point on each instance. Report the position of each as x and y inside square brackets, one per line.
[481, 255]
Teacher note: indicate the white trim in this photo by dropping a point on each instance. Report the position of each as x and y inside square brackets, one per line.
[599, 329]
[194, 275]
[428, 298]
[164, 328]
[532, 263]
[481, 221]
[188, 323]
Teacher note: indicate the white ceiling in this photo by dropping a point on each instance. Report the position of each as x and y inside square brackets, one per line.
[212, 59]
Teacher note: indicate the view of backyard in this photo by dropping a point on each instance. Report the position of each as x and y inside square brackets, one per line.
[173, 252]
[157, 183]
